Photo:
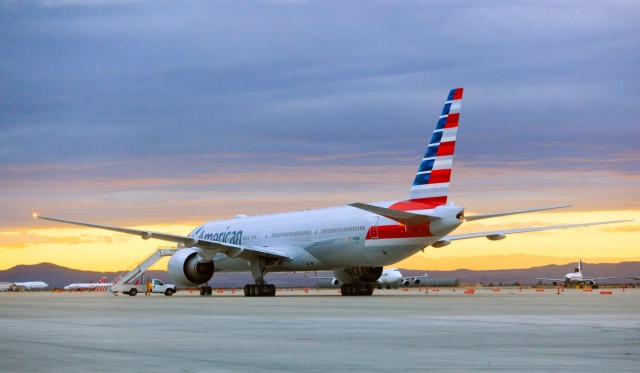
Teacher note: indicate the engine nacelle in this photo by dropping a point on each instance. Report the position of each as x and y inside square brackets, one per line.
[416, 281]
[188, 268]
[406, 283]
[335, 282]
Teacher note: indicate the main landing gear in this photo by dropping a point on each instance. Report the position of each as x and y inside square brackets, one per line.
[356, 289]
[206, 290]
[259, 290]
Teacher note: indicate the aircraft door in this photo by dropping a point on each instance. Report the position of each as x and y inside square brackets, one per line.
[265, 239]
[374, 226]
[316, 233]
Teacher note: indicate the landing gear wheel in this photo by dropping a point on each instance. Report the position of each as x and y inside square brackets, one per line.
[205, 290]
[262, 290]
[356, 289]
[269, 290]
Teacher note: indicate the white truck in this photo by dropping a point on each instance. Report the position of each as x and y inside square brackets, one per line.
[157, 286]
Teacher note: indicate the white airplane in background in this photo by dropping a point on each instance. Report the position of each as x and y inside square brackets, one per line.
[576, 278]
[389, 277]
[355, 240]
[101, 285]
[392, 277]
[31, 285]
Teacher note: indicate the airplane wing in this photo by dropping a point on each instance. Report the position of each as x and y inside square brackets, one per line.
[598, 278]
[498, 235]
[414, 280]
[512, 212]
[228, 249]
[552, 279]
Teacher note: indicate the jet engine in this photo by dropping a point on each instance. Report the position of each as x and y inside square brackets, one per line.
[415, 281]
[187, 267]
[335, 282]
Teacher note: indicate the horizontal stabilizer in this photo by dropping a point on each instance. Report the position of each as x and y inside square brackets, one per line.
[512, 212]
[402, 217]
[500, 234]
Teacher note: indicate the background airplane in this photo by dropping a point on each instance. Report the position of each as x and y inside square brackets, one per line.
[355, 240]
[392, 277]
[98, 286]
[576, 278]
[31, 285]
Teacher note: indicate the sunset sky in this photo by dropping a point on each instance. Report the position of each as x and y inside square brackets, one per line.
[163, 115]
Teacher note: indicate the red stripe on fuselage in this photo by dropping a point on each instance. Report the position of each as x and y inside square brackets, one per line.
[400, 231]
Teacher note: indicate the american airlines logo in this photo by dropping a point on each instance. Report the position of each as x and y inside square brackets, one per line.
[232, 237]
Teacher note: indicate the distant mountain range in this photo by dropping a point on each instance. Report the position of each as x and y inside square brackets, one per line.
[57, 276]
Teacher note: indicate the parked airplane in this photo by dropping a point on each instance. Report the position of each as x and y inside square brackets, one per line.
[31, 285]
[101, 285]
[355, 240]
[390, 277]
[576, 278]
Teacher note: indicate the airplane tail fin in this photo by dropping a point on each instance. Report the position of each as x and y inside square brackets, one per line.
[431, 184]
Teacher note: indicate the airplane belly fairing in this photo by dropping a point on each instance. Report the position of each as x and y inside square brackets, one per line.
[385, 252]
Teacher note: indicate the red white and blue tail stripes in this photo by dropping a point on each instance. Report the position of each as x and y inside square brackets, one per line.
[431, 184]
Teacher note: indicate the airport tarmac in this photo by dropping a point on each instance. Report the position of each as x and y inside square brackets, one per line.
[393, 330]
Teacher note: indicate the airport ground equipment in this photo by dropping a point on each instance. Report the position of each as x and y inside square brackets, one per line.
[157, 286]
[132, 282]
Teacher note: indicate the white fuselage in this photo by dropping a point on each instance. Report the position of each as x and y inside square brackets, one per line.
[323, 239]
[390, 276]
[573, 278]
[33, 284]
[89, 286]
